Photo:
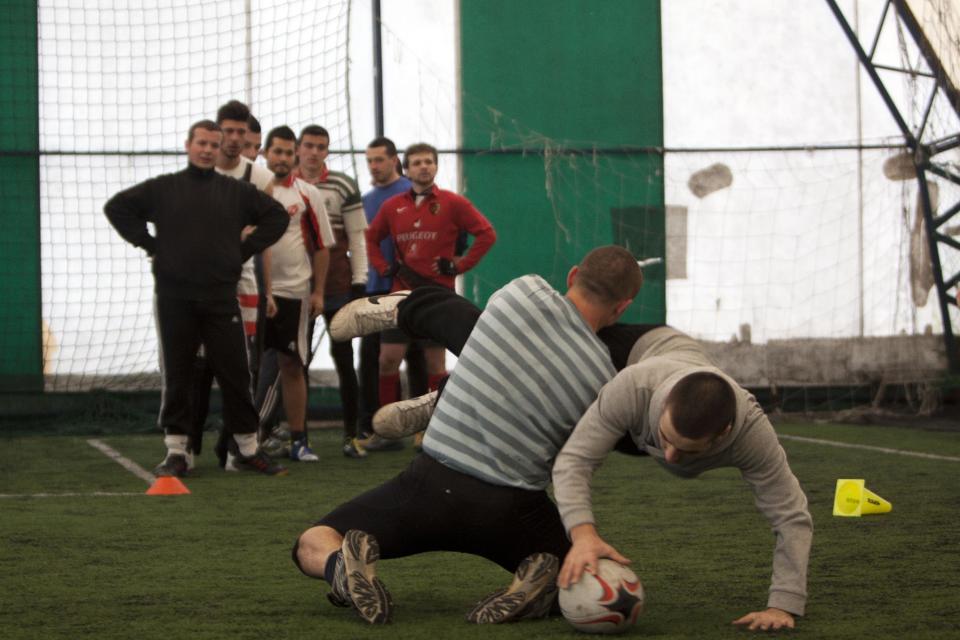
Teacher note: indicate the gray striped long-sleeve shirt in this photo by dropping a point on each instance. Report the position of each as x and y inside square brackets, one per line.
[530, 369]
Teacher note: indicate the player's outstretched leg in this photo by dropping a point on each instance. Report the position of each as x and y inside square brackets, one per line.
[366, 315]
[365, 590]
[530, 595]
[404, 418]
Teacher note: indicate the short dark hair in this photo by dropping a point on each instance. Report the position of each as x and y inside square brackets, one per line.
[233, 110]
[208, 125]
[386, 143]
[609, 274]
[420, 147]
[283, 132]
[701, 404]
[253, 124]
[313, 130]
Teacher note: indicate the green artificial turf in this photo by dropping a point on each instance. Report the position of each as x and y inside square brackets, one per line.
[216, 563]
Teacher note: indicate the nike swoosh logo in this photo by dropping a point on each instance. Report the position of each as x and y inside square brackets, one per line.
[376, 299]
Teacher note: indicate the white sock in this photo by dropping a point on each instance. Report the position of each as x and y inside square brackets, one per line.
[247, 443]
[176, 444]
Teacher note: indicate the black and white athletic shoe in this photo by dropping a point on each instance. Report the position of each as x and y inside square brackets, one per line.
[259, 462]
[367, 593]
[366, 315]
[530, 595]
[406, 417]
[175, 464]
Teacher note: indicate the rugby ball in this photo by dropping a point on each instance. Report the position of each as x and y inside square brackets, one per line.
[608, 601]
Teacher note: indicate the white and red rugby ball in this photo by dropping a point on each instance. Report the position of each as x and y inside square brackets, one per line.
[608, 601]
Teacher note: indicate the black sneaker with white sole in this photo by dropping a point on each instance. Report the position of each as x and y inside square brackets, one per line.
[259, 462]
[175, 464]
[366, 591]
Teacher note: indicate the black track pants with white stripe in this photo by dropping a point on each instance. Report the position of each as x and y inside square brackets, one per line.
[182, 325]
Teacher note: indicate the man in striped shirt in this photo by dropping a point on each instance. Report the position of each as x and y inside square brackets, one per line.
[530, 368]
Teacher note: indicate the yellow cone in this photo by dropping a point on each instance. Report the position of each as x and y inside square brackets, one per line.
[852, 499]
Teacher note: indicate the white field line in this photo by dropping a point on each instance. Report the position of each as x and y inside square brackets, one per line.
[867, 447]
[123, 461]
[92, 494]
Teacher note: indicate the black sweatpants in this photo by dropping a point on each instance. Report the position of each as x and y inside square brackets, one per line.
[182, 325]
[430, 507]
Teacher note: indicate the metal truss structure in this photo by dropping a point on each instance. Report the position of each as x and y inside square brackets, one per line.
[923, 151]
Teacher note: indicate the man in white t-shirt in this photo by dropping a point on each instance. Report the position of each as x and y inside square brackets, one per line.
[294, 277]
[232, 118]
[252, 140]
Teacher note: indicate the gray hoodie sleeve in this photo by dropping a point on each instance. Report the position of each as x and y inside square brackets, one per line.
[620, 404]
[778, 496]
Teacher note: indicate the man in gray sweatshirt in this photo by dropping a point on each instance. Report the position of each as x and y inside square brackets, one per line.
[678, 407]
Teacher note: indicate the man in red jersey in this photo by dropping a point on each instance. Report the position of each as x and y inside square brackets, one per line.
[424, 224]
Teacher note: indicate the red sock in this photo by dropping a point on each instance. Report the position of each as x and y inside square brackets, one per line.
[389, 388]
[434, 380]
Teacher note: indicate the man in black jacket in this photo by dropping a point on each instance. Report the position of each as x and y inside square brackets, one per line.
[206, 226]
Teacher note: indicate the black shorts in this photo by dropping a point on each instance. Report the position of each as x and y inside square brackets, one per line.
[287, 331]
[397, 336]
[430, 507]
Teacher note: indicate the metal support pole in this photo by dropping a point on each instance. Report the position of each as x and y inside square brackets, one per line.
[919, 154]
[377, 71]
[950, 343]
[248, 50]
[874, 76]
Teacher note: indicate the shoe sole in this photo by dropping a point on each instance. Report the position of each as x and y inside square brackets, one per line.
[344, 325]
[536, 575]
[368, 593]
[405, 418]
[282, 471]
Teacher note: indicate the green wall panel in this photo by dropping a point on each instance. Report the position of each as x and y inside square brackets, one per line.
[21, 367]
[571, 83]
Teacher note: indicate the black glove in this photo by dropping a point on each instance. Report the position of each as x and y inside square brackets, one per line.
[446, 267]
[358, 291]
[391, 270]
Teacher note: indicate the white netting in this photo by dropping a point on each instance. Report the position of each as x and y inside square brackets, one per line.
[792, 243]
[120, 83]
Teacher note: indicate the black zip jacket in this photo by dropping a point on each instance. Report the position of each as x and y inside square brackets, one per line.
[197, 215]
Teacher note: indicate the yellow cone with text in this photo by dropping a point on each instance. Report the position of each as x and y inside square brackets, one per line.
[852, 499]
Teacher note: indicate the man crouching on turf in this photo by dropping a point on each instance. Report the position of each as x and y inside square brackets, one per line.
[675, 405]
[479, 486]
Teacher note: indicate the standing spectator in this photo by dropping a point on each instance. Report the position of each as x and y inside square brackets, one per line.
[424, 223]
[347, 274]
[295, 273]
[384, 166]
[252, 140]
[206, 225]
[232, 118]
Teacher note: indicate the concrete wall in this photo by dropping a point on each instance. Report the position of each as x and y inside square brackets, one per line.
[832, 362]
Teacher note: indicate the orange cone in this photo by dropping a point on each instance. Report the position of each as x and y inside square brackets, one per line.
[167, 486]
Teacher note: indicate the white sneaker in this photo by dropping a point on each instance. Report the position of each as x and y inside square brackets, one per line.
[401, 419]
[300, 451]
[366, 315]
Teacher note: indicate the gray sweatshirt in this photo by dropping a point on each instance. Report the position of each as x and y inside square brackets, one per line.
[633, 403]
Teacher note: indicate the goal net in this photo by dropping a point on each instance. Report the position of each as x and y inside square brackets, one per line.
[120, 83]
[802, 266]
